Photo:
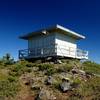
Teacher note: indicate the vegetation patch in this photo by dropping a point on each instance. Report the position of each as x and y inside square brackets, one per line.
[91, 67]
[91, 88]
[8, 88]
[14, 75]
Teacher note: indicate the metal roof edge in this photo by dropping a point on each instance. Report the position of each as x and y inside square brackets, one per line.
[68, 30]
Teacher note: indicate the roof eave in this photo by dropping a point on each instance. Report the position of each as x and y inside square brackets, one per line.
[71, 32]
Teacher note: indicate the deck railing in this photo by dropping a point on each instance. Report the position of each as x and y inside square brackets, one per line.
[81, 54]
[51, 51]
[37, 52]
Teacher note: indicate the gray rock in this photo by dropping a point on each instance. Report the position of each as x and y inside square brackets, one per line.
[45, 95]
[35, 69]
[74, 71]
[77, 71]
[49, 81]
[65, 85]
[82, 72]
[59, 61]
[35, 87]
[48, 58]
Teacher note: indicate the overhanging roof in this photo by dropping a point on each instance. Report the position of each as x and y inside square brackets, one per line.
[56, 28]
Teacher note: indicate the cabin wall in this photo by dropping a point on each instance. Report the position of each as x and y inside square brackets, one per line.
[42, 45]
[41, 41]
[66, 45]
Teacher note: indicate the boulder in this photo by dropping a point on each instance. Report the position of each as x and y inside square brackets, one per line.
[82, 72]
[44, 94]
[65, 85]
[77, 71]
[74, 71]
[35, 69]
[49, 58]
[35, 87]
[49, 80]
[59, 62]
[89, 75]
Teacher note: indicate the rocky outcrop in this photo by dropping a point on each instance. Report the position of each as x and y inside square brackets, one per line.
[27, 79]
[49, 80]
[65, 85]
[44, 94]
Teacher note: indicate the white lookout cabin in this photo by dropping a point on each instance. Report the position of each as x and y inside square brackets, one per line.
[55, 41]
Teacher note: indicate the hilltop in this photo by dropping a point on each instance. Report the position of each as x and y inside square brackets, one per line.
[70, 80]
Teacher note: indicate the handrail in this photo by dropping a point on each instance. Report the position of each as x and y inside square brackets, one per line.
[49, 51]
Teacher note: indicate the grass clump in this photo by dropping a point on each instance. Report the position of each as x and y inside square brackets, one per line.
[64, 68]
[76, 81]
[43, 67]
[56, 85]
[48, 67]
[12, 78]
[50, 71]
[19, 68]
[8, 88]
[91, 67]
[91, 88]
[68, 65]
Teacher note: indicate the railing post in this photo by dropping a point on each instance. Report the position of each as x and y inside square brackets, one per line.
[69, 51]
[27, 52]
[76, 53]
[56, 48]
[42, 52]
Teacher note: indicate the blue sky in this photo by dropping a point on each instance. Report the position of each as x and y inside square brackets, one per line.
[18, 17]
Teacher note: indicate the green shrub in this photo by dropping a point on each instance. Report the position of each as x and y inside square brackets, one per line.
[9, 62]
[50, 71]
[66, 61]
[91, 67]
[22, 62]
[8, 89]
[27, 69]
[16, 68]
[56, 84]
[30, 64]
[1, 63]
[19, 69]
[45, 66]
[65, 68]
[7, 59]
[48, 67]
[14, 74]
[77, 81]
[59, 70]
[68, 67]
[91, 88]
[12, 78]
